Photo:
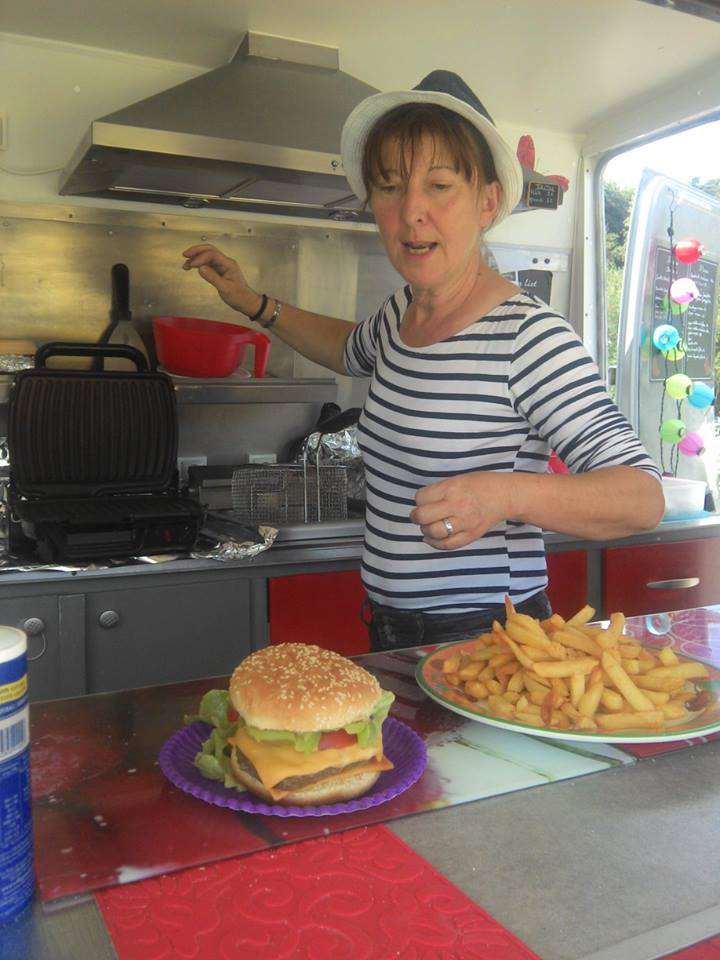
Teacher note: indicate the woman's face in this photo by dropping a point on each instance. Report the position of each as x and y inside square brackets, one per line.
[432, 220]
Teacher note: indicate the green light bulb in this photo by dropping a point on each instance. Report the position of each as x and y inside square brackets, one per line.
[672, 431]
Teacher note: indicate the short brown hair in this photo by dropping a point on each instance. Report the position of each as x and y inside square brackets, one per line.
[408, 123]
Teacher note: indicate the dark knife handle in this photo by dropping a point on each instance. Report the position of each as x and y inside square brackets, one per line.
[120, 280]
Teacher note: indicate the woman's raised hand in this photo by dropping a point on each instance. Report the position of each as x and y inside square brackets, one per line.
[223, 273]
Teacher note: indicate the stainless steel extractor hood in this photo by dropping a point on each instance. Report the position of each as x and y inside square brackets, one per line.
[260, 134]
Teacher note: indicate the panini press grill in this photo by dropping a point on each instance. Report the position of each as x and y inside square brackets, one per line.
[93, 460]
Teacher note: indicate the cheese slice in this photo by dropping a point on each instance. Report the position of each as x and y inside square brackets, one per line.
[276, 761]
[371, 766]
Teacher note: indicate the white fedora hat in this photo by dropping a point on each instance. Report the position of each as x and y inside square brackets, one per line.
[446, 89]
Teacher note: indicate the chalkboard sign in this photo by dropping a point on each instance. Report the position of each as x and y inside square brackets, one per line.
[541, 195]
[696, 324]
[538, 283]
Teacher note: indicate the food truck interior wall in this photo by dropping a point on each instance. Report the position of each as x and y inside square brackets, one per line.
[626, 70]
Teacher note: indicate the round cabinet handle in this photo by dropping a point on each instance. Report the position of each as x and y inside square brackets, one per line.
[684, 584]
[109, 618]
[35, 627]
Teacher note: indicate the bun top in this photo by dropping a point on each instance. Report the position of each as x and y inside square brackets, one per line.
[299, 687]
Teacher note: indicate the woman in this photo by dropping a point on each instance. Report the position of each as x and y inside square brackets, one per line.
[473, 381]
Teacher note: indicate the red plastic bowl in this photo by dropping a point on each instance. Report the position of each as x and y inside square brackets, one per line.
[193, 347]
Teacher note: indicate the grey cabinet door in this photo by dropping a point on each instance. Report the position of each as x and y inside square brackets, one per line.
[165, 634]
[56, 654]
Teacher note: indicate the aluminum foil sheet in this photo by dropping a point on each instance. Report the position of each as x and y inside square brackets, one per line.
[337, 448]
[236, 547]
[12, 362]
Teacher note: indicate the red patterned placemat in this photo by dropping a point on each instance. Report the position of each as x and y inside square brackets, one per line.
[655, 749]
[358, 895]
[705, 950]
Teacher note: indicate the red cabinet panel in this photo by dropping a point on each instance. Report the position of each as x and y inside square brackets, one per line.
[661, 576]
[567, 582]
[321, 608]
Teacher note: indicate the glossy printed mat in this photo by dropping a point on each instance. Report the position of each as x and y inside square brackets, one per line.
[104, 814]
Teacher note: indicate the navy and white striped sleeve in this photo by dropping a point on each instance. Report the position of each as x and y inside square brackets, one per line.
[555, 385]
[361, 345]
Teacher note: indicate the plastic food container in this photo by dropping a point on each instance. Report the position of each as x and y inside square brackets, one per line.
[683, 497]
[192, 347]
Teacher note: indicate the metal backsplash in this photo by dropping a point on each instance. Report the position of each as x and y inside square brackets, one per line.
[55, 268]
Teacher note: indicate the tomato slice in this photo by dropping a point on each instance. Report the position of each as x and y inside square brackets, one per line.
[336, 740]
[232, 715]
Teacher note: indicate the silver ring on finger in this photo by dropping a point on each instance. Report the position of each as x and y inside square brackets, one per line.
[447, 523]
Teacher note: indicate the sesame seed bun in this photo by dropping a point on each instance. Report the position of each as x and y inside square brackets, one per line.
[329, 791]
[299, 687]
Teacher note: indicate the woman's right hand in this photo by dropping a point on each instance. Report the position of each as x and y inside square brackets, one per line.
[223, 273]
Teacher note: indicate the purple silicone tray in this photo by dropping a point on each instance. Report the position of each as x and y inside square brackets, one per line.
[401, 745]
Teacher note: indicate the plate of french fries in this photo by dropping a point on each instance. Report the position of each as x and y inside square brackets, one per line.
[574, 680]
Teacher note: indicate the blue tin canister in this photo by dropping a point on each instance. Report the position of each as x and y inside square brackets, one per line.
[17, 881]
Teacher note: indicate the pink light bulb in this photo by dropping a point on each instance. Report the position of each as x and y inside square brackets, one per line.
[684, 290]
[692, 444]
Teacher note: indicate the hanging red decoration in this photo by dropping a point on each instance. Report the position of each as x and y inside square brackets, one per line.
[688, 250]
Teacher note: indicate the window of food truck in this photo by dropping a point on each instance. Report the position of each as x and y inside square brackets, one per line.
[661, 248]
[688, 157]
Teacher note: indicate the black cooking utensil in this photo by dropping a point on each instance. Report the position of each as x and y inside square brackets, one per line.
[119, 303]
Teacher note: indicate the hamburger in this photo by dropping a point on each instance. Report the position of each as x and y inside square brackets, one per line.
[298, 725]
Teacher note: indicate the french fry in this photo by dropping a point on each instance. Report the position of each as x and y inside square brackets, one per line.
[609, 638]
[517, 681]
[590, 700]
[657, 697]
[529, 638]
[624, 684]
[535, 653]
[688, 671]
[612, 701]
[577, 688]
[516, 649]
[451, 664]
[553, 623]
[582, 616]
[469, 671]
[668, 657]
[586, 723]
[501, 708]
[500, 659]
[486, 652]
[674, 711]
[476, 690]
[565, 668]
[640, 720]
[577, 641]
[666, 684]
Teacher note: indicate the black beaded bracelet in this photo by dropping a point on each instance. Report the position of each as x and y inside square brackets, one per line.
[263, 304]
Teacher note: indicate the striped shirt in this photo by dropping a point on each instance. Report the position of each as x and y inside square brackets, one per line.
[497, 395]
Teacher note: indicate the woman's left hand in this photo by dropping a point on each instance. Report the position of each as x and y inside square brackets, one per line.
[454, 512]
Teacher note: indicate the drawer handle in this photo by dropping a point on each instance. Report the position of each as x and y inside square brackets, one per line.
[35, 627]
[684, 584]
